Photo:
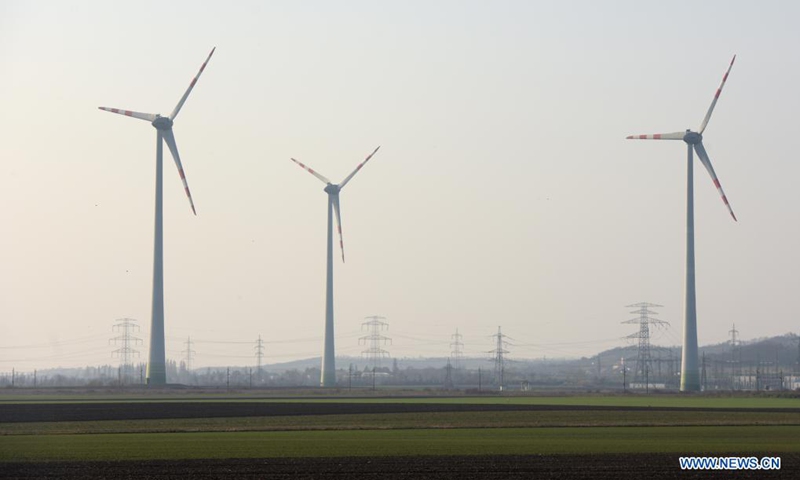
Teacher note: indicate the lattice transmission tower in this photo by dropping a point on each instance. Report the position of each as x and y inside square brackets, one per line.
[644, 362]
[736, 356]
[126, 327]
[259, 357]
[190, 353]
[375, 354]
[500, 353]
[457, 349]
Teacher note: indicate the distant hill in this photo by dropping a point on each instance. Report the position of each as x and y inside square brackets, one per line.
[783, 347]
[783, 350]
[360, 363]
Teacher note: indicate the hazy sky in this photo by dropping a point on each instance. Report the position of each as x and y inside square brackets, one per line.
[504, 192]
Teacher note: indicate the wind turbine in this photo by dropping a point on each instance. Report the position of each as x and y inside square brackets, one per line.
[690, 372]
[328, 377]
[156, 366]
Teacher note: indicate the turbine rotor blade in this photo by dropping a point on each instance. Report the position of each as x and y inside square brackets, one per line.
[191, 86]
[173, 148]
[347, 179]
[312, 171]
[338, 222]
[142, 116]
[658, 136]
[701, 153]
[716, 97]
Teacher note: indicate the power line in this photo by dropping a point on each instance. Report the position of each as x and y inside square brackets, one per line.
[59, 343]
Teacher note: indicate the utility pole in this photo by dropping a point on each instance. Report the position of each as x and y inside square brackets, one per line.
[448, 379]
[644, 364]
[34, 379]
[759, 372]
[456, 349]
[624, 379]
[499, 353]
[126, 328]
[599, 369]
[703, 377]
[189, 353]
[250, 373]
[375, 353]
[259, 357]
[797, 363]
[350, 378]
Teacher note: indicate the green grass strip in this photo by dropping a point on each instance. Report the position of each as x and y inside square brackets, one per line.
[518, 441]
[371, 421]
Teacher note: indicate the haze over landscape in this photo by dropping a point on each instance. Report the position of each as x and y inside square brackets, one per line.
[504, 192]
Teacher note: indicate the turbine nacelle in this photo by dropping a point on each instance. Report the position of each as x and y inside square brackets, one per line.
[162, 123]
[692, 138]
[332, 189]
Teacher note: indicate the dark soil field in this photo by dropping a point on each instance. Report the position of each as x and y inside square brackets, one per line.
[61, 412]
[624, 467]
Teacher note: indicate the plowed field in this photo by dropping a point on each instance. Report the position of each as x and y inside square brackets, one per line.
[624, 467]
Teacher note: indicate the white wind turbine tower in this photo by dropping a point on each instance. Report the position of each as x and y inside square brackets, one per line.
[156, 366]
[690, 372]
[328, 377]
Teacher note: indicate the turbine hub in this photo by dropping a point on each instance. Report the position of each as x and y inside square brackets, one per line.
[332, 189]
[692, 138]
[162, 123]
